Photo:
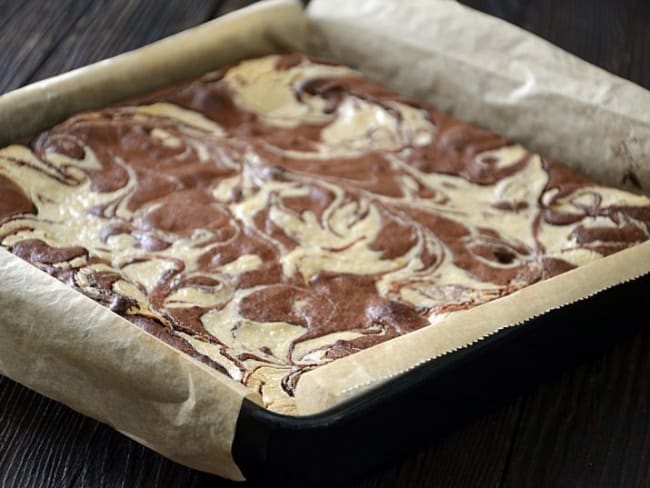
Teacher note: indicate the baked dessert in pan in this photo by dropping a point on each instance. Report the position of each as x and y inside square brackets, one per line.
[284, 212]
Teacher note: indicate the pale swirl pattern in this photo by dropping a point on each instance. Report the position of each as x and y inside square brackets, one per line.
[284, 212]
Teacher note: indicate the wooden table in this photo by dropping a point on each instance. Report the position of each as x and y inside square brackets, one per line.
[590, 427]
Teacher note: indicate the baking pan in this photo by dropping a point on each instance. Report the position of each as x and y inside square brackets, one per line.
[372, 410]
[433, 399]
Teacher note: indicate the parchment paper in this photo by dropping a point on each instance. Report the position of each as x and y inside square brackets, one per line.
[66, 346]
[260, 29]
[342, 379]
[487, 71]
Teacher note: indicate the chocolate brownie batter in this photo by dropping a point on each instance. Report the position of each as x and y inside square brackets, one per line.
[278, 214]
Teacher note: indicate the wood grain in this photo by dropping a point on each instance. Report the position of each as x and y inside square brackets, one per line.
[111, 27]
[45, 444]
[228, 6]
[483, 446]
[590, 427]
[27, 39]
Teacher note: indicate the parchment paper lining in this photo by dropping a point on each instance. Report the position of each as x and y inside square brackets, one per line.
[260, 29]
[350, 376]
[66, 346]
[487, 71]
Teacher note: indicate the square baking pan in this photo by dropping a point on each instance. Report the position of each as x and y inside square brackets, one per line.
[433, 399]
[373, 410]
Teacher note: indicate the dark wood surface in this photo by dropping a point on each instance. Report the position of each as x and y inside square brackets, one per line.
[589, 427]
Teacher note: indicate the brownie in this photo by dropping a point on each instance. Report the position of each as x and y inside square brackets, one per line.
[284, 212]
